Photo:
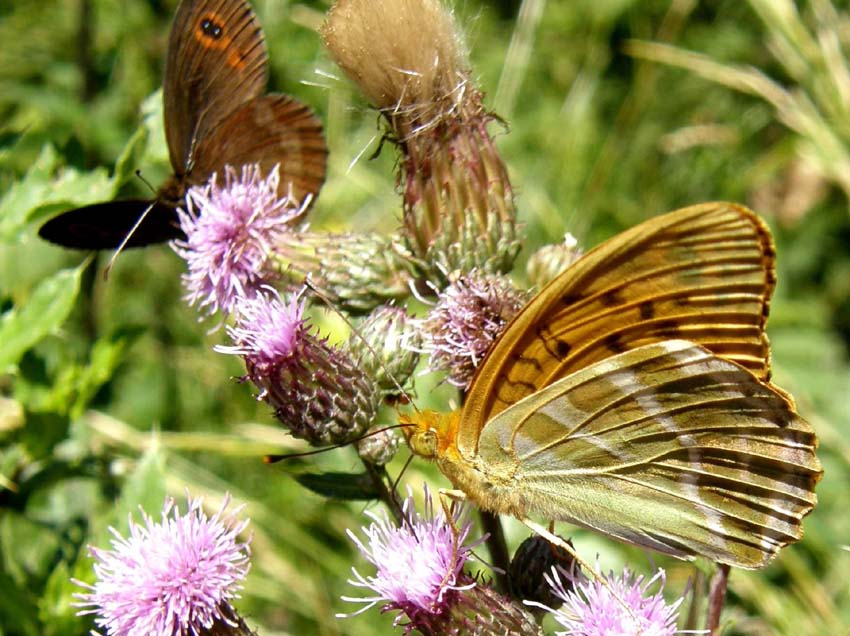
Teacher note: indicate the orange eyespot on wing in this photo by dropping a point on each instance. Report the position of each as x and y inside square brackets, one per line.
[217, 60]
[212, 33]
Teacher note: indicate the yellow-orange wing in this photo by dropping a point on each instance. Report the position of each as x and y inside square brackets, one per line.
[703, 274]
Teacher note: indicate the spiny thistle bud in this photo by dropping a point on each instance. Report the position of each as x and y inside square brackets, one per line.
[550, 260]
[379, 445]
[532, 562]
[386, 346]
[410, 61]
[469, 315]
[356, 272]
[317, 391]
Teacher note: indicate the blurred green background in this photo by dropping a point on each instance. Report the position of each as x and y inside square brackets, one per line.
[614, 111]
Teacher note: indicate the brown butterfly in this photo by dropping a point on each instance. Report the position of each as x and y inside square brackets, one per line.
[215, 115]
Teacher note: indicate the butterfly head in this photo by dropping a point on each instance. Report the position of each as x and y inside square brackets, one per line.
[430, 434]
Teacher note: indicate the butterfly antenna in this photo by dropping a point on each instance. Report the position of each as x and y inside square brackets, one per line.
[132, 229]
[273, 459]
[321, 295]
[403, 469]
[141, 178]
[121, 247]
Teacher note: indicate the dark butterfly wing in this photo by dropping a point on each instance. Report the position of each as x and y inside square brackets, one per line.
[269, 130]
[217, 65]
[217, 60]
[105, 225]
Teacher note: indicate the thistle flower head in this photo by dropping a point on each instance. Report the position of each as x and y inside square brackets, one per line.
[387, 343]
[624, 606]
[419, 571]
[172, 578]
[230, 230]
[418, 565]
[409, 59]
[317, 391]
[469, 315]
[404, 55]
[268, 332]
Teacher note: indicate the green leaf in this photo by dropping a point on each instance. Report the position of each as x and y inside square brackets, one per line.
[72, 387]
[131, 156]
[152, 119]
[43, 431]
[145, 487]
[16, 608]
[45, 310]
[45, 189]
[106, 355]
[30, 548]
[345, 486]
[57, 615]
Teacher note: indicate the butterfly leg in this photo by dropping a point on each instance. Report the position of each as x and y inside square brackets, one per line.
[448, 498]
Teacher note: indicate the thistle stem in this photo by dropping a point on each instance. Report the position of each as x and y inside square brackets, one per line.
[716, 598]
[498, 548]
[696, 593]
[379, 477]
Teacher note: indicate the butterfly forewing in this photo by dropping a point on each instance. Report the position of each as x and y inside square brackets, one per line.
[704, 273]
[106, 225]
[666, 446]
[269, 130]
[217, 60]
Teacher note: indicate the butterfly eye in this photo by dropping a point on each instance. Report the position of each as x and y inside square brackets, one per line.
[424, 443]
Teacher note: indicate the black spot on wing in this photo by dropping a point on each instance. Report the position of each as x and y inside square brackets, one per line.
[647, 310]
[571, 299]
[611, 298]
[563, 348]
[613, 343]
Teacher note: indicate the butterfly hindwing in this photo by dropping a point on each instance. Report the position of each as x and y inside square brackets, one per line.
[269, 130]
[666, 446]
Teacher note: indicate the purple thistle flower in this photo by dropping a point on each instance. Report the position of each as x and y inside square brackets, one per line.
[173, 578]
[419, 565]
[469, 315]
[419, 571]
[267, 333]
[318, 391]
[230, 233]
[592, 609]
